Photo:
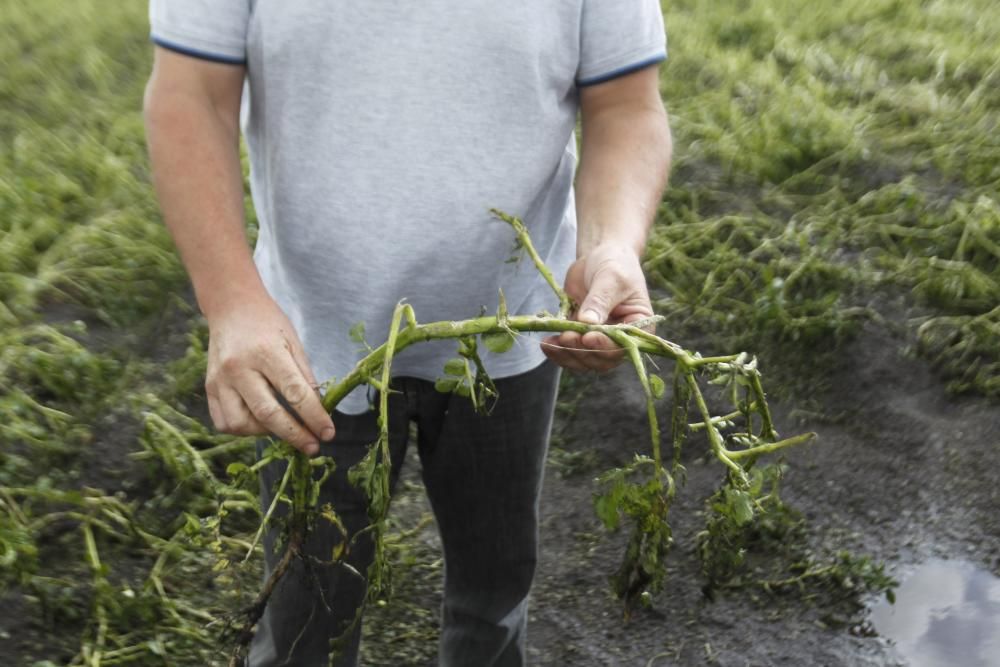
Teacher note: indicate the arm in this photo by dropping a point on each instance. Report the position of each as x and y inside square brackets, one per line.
[192, 127]
[625, 159]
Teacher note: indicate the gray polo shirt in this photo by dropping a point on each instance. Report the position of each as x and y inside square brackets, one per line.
[381, 133]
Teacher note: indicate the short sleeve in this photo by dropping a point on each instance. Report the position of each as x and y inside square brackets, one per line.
[618, 37]
[209, 29]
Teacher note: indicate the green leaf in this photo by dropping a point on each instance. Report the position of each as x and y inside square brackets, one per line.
[357, 333]
[234, 469]
[446, 385]
[742, 507]
[656, 386]
[455, 366]
[467, 346]
[607, 511]
[498, 342]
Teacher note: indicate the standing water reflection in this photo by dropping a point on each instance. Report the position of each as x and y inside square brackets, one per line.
[947, 614]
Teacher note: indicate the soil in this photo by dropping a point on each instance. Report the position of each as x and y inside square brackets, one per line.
[900, 472]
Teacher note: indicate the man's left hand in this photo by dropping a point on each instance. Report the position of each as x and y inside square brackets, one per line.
[610, 288]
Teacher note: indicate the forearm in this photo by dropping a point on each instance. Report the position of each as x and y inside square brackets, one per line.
[623, 170]
[194, 149]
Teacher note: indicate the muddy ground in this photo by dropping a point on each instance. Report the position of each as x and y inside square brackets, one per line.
[901, 471]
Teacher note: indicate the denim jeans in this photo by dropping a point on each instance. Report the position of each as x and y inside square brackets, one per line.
[483, 476]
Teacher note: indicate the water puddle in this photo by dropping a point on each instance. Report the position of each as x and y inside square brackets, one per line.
[947, 614]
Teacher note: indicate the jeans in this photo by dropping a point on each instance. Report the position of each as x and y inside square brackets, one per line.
[483, 476]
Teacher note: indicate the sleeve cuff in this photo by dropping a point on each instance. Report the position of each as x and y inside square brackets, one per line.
[622, 70]
[197, 52]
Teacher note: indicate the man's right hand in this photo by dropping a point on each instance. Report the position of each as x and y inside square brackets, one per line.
[253, 355]
[192, 111]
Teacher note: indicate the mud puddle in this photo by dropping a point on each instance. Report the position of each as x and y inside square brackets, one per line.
[947, 613]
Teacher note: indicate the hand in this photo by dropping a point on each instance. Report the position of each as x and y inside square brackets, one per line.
[609, 285]
[254, 353]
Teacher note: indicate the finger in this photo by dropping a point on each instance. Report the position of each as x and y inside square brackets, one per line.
[285, 375]
[601, 361]
[577, 354]
[607, 290]
[302, 361]
[570, 339]
[236, 414]
[215, 411]
[562, 356]
[266, 409]
[586, 360]
[600, 353]
[595, 340]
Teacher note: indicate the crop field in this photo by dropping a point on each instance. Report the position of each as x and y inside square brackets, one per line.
[834, 211]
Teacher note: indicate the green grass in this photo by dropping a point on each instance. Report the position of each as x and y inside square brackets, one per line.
[829, 158]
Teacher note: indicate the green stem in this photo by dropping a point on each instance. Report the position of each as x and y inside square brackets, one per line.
[278, 495]
[640, 369]
[769, 447]
[226, 448]
[714, 439]
[565, 303]
[767, 427]
[678, 415]
[93, 657]
[416, 333]
[383, 461]
[705, 361]
[201, 468]
[697, 426]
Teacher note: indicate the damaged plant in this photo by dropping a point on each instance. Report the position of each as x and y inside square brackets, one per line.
[639, 494]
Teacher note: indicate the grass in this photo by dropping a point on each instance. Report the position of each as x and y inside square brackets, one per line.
[829, 157]
[836, 165]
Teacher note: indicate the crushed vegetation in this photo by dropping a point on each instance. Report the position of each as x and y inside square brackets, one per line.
[836, 165]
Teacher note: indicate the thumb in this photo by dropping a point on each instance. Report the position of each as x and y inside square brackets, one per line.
[604, 294]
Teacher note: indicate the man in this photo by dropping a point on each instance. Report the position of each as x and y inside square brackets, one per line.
[380, 134]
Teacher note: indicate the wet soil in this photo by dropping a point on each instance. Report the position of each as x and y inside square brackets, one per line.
[901, 471]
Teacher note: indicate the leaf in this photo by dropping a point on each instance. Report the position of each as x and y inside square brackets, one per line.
[467, 346]
[498, 342]
[234, 469]
[742, 507]
[446, 385]
[656, 386]
[606, 509]
[328, 513]
[455, 366]
[357, 333]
